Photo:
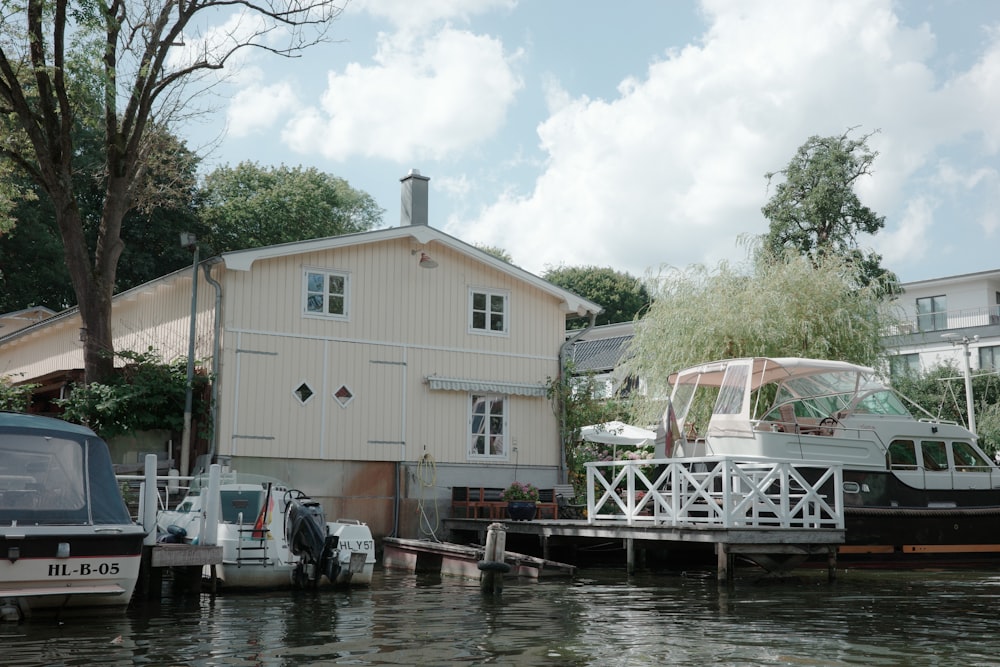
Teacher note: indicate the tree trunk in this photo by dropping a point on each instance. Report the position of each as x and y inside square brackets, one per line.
[93, 289]
[98, 346]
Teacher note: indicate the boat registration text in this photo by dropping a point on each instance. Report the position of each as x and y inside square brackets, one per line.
[102, 569]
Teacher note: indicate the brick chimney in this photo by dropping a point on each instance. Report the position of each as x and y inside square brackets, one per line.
[413, 208]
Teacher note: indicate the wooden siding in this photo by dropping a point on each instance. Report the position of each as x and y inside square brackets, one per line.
[157, 316]
[405, 323]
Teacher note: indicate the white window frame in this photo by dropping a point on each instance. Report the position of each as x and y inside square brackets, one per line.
[327, 274]
[490, 294]
[475, 431]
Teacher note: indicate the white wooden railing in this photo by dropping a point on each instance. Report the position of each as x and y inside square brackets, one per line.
[717, 491]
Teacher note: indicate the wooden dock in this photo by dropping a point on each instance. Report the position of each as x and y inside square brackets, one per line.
[777, 550]
[463, 560]
[774, 513]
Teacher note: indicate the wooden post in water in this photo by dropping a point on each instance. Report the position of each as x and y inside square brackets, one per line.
[630, 555]
[493, 566]
[726, 562]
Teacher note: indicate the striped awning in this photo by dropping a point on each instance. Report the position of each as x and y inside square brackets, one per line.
[488, 386]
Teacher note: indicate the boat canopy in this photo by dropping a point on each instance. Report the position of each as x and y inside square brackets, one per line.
[813, 388]
[765, 370]
[56, 473]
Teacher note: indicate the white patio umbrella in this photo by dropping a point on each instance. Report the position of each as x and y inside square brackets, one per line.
[617, 433]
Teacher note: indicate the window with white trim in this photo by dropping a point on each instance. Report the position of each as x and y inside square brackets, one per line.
[488, 311]
[488, 426]
[325, 293]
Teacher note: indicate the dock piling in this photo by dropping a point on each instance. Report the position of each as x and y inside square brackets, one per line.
[493, 566]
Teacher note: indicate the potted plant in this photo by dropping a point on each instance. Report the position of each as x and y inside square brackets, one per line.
[522, 499]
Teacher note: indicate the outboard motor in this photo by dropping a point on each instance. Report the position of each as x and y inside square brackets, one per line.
[306, 534]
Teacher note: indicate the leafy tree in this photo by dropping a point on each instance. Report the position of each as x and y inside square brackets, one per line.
[815, 210]
[794, 307]
[576, 402]
[622, 296]
[15, 397]
[251, 206]
[49, 86]
[145, 394]
[32, 252]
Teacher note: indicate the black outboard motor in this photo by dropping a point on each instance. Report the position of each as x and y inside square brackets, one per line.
[305, 532]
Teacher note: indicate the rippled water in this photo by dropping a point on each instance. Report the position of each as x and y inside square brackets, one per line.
[599, 618]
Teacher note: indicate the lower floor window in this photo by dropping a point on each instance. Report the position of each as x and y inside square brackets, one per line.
[488, 426]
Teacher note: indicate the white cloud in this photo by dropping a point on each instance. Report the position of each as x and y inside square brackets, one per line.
[672, 170]
[424, 98]
[909, 239]
[256, 108]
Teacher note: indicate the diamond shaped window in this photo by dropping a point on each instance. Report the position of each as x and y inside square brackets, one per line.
[303, 392]
[343, 396]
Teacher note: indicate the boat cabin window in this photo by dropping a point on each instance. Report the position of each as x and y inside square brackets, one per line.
[903, 455]
[935, 454]
[967, 459]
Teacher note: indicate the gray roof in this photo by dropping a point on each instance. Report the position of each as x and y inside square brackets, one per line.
[600, 349]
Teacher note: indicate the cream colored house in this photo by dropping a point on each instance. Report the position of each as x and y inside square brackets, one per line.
[373, 371]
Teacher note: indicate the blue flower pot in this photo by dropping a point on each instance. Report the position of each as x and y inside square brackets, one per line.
[521, 510]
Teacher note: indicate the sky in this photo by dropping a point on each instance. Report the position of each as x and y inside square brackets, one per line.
[637, 135]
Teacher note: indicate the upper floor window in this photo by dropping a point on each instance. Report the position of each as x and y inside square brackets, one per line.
[325, 293]
[989, 358]
[932, 313]
[488, 311]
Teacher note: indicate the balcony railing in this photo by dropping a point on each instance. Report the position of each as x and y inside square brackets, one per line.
[946, 320]
[718, 491]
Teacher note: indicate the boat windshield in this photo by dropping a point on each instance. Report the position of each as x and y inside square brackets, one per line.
[829, 393]
[42, 473]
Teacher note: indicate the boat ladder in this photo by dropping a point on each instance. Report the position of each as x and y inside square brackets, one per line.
[251, 549]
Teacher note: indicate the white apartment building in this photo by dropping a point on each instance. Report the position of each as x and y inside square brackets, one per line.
[939, 317]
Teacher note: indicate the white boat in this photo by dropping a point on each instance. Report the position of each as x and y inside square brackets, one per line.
[917, 490]
[272, 536]
[66, 538]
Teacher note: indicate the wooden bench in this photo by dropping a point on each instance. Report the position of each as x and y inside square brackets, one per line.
[478, 502]
[547, 504]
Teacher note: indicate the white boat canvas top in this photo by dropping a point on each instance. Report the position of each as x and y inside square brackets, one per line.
[808, 409]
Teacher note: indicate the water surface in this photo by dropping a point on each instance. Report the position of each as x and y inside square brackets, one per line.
[602, 617]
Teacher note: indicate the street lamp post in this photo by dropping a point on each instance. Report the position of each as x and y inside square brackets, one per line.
[189, 241]
[964, 342]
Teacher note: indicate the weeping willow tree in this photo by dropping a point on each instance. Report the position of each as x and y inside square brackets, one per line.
[781, 306]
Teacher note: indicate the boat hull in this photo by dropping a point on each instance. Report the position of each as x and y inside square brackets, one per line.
[96, 570]
[256, 553]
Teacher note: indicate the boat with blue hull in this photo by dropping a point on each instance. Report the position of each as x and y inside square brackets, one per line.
[67, 541]
[918, 491]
